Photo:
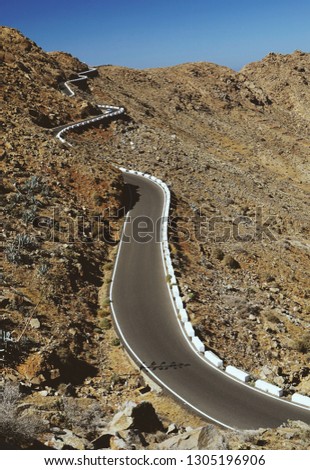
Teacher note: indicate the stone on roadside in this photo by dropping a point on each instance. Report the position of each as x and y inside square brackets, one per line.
[140, 416]
[35, 323]
[204, 438]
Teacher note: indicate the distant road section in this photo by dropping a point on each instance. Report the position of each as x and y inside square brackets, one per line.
[146, 322]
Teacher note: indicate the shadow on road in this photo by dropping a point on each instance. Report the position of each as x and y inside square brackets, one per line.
[164, 365]
[130, 197]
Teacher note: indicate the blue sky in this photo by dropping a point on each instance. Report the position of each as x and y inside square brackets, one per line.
[155, 33]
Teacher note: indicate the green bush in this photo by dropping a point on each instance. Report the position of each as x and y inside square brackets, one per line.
[106, 302]
[116, 342]
[105, 324]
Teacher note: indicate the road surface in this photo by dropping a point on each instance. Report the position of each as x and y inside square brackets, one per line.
[146, 322]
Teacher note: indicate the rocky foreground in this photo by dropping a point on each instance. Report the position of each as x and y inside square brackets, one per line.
[234, 148]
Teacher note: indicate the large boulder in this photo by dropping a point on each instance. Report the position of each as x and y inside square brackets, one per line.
[140, 416]
[207, 437]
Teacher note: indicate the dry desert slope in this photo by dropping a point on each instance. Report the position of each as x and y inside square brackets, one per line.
[234, 148]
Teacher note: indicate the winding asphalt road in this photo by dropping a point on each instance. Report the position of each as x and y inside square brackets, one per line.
[144, 316]
[146, 322]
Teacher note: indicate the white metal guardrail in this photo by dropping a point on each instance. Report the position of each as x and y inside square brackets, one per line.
[111, 110]
[65, 129]
[182, 314]
[80, 78]
[269, 388]
[237, 373]
[301, 399]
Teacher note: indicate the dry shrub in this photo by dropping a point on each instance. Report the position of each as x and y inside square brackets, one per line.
[87, 420]
[18, 429]
[303, 344]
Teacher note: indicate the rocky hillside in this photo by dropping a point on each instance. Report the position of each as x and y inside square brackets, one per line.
[286, 80]
[33, 81]
[56, 262]
[234, 148]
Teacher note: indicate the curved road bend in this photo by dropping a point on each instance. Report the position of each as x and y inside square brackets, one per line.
[146, 318]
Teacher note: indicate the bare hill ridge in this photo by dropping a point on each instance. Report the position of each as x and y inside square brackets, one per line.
[286, 79]
[235, 149]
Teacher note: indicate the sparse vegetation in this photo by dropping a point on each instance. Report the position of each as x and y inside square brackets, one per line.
[15, 250]
[103, 313]
[12, 254]
[18, 429]
[272, 317]
[242, 152]
[29, 215]
[23, 240]
[87, 420]
[303, 344]
[43, 269]
[116, 342]
[105, 324]
[108, 266]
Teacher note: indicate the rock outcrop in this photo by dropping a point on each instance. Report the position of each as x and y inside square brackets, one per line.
[207, 437]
